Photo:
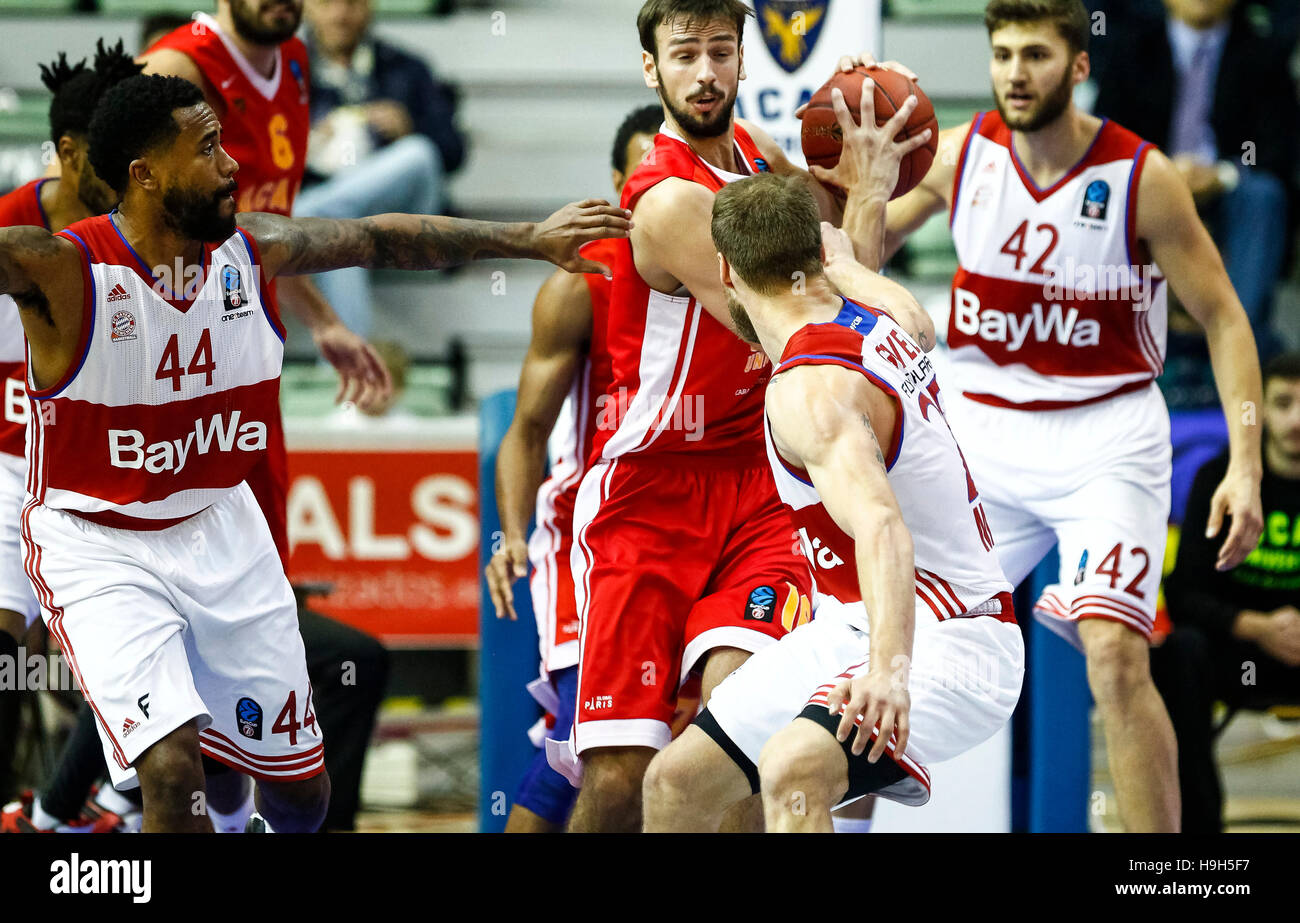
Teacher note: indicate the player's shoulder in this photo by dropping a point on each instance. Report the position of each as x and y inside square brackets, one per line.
[1115, 142]
[22, 206]
[668, 158]
[671, 200]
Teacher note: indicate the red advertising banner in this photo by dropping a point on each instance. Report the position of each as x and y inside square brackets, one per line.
[394, 529]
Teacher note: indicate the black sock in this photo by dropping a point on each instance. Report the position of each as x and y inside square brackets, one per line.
[9, 718]
[80, 764]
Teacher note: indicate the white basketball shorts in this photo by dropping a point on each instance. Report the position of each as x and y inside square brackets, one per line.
[1093, 480]
[193, 621]
[15, 588]
[965, 682]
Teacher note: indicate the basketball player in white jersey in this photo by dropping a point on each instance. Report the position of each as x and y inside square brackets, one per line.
[1068, 229]
[151, 387]
[914, 634]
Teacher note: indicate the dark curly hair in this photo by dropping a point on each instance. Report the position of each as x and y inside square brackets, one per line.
[135, 116]
[78, 88]
[643, 121]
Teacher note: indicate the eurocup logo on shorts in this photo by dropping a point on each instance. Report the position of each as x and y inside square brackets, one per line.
[249, 716]
[1095, 199]
[761, 605]
[1083, 568]
[791, 29]
[232, 291]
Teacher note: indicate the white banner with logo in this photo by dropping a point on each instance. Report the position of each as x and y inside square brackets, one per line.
[790, 51]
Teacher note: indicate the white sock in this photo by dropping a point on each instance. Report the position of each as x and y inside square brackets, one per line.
[110, 799]
[235, 820]
[42, 818]
[851, 824]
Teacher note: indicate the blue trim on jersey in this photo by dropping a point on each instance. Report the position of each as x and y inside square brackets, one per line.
[261, 289]
[40, 184]
[853, 310]
[964, 160]
[90, 334]
[170, 295]
[1128, 201]
[1011, 146]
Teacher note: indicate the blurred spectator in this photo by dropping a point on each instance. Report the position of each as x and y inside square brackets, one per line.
[1236, 636]
[1208, 81]
[383, 136]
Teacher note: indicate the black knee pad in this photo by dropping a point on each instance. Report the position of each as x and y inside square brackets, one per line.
[865, 777]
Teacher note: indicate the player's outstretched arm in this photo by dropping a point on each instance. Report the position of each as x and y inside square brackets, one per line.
[561, 333]
[1186, 255]
[871, 288]
[828, 420]
[293, 246]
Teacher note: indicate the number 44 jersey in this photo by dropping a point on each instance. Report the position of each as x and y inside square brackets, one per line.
[169, 402]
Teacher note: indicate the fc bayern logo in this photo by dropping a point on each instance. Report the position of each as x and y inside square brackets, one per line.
[123, 327]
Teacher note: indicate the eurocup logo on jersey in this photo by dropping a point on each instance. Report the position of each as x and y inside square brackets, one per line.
[232, 291]
[296, 69]
[1095, 199]
[791, 29]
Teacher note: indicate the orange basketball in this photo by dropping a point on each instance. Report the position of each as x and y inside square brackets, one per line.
[823, 140]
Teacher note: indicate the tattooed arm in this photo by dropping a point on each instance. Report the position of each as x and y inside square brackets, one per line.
[292, 246]
[830, 421]
[43, 273]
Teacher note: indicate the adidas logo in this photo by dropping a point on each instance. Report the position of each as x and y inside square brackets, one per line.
[118, 293]
[128, 726]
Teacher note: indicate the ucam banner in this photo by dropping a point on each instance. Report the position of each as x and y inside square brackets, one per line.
[790, 50]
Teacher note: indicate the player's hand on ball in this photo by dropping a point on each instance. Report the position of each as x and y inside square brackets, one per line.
[848, 63]
[363, 377]
[871, 155]
[882, 700]
[507, 565]
[1237, 496]
[559, 237]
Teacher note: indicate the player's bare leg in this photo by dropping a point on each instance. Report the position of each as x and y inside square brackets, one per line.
[12, 629]
[522, 820]
[804, 773]
[610, 798]
[720, 662]
[691, 784]
[294, 807]
[171, 782]
[1140, 742]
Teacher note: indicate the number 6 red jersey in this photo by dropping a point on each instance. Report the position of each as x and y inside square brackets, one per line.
[266, 119]
[168, 403]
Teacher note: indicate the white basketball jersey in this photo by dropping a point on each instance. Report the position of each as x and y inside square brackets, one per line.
[13, 359]
[169, 402]
[1054, 302]
[957, 572]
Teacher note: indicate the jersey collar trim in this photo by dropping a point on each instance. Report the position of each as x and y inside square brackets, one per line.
[266, 86]
[1031, 187]
[179, 302]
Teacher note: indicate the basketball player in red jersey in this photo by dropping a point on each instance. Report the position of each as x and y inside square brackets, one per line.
[148, 553]
[682, 555]
[52, 203]
[1068, 229]
[564, 376]
[254, 75]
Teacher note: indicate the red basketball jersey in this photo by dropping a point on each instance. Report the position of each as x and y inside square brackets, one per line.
[681, 382]
[266, 119]
[19, 208]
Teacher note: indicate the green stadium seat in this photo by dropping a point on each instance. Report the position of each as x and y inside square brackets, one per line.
[36, 6]
[29, 121]
[935, 9]
[403, 7]
[149, 7]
